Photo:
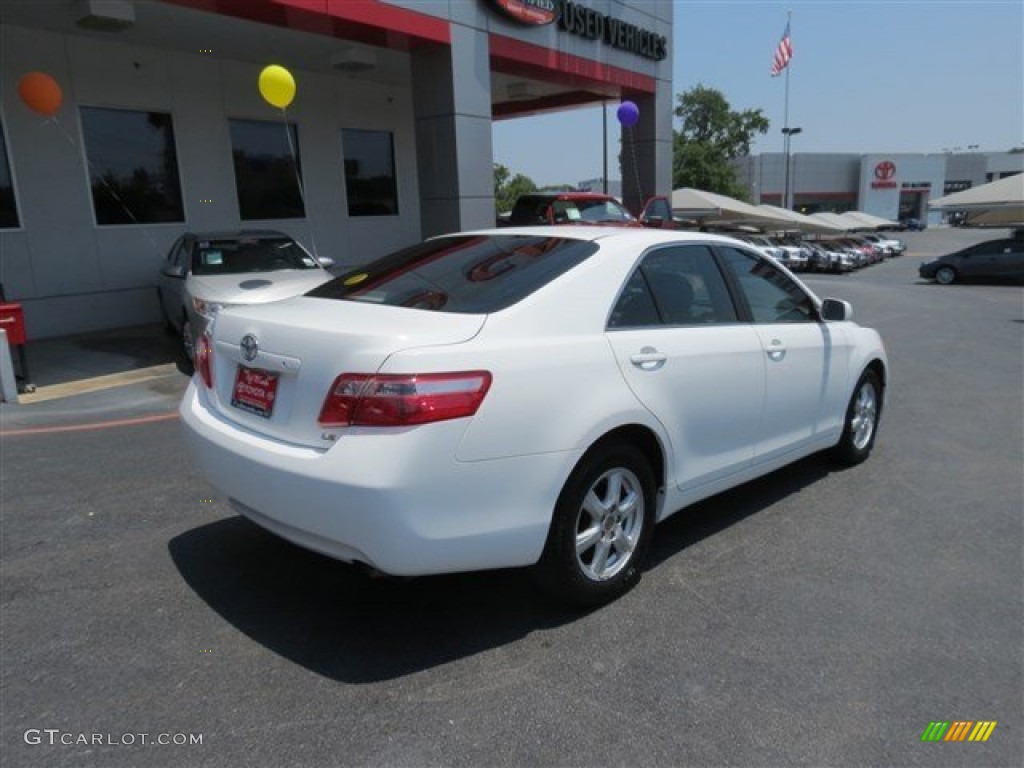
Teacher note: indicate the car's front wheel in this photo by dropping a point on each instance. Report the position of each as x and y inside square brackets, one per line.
[188, 341]
[861, 424]
[945, 275]
[602, 526]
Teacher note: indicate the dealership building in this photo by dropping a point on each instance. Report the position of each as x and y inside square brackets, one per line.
[894, 186]
[161, 127]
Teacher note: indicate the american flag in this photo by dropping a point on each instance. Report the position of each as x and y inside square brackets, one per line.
[782, 54]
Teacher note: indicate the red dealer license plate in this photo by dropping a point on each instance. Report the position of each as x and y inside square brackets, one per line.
[254, 391]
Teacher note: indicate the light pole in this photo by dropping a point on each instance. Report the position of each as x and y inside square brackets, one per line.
[789, 133]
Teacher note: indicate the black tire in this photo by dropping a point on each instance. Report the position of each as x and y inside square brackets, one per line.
[945, 275]
[858, 436]
[572, 575]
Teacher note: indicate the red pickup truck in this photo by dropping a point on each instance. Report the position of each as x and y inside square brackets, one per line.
[586, 208]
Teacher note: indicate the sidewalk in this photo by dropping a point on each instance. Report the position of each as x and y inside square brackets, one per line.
[91, 362]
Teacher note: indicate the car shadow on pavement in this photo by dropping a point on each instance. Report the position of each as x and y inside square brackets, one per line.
[340, 622]
[707, 518]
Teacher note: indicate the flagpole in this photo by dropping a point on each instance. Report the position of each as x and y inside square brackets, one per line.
[785, 118]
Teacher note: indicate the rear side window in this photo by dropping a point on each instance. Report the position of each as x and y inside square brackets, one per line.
[462, 274]
[677, 285]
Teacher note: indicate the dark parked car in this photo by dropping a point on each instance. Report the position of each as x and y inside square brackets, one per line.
[991, 260]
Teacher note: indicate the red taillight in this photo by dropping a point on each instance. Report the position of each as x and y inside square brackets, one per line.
[395, 400]
[204, 365]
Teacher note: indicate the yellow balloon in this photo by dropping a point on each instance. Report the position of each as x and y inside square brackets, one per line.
[277, 86]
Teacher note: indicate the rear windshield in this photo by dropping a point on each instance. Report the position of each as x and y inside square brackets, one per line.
[235, 255]
[463, 274]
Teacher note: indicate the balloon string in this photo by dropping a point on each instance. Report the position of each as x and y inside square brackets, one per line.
[298, 178]
[636, 168]
[110, 189]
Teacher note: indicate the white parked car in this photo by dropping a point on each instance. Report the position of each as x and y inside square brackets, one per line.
[526, 397]
[205, 272]
[794, 256]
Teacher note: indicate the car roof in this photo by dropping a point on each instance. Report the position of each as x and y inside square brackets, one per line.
[230, 234]
[566, 196]
[641, 236]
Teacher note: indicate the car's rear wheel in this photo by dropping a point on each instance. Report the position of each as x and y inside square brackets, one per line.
[602, 526]
[861, 424]
[945, 275]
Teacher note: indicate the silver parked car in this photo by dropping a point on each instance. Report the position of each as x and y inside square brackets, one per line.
[205, 272]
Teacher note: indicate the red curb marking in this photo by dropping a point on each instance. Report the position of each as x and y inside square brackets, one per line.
[89, 427]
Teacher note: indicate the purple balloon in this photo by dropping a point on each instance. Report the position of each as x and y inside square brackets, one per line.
[628, 113]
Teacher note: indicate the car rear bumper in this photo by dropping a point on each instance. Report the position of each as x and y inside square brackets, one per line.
[396, 500]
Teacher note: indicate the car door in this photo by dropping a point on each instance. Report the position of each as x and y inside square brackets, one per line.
[685, 354]
[1001, 258]
[1011, 263]
[802, 355]
[172, 280]
[657, 214]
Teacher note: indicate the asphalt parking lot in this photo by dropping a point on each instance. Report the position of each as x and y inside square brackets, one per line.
[813, 617]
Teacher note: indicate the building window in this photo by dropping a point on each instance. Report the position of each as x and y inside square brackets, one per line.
[370, 173]
[267, 169]
[133, 166]
[8, 206]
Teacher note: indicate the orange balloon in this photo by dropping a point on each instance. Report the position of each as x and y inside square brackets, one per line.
[40, 93]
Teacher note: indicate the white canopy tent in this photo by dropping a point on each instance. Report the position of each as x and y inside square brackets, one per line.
[874, 222]
[838, 221]
[805, 224]
[692, 203]
[996, 204]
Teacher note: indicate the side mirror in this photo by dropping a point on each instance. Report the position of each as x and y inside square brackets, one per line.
[174, 270]
[835, 310]
[654, 222]
[325, 261]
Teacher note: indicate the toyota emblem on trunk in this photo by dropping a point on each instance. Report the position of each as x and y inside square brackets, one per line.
[250, 347]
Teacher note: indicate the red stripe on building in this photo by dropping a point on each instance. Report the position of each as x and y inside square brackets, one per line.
[365, 21]
[514, 57]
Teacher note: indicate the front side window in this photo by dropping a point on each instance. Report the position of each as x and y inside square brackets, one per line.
[677, 285]
[370, 173]
[267, 169]
[771, 295]
[8, 206]
[460, 273]
[133, 166]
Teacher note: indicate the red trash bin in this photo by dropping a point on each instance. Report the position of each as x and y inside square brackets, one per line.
[12, 320]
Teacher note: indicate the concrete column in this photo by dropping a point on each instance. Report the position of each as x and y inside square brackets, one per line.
[451, 89]
[647, 148]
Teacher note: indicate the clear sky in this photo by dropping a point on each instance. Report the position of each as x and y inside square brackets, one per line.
[866, 76]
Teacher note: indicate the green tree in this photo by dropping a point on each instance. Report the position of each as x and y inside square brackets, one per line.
[508, 187]
[712, 135]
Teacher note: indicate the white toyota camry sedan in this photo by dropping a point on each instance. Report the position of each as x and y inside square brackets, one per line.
[526, 397]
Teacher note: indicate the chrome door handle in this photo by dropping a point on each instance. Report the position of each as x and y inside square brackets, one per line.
[776, 350]
[648, 359]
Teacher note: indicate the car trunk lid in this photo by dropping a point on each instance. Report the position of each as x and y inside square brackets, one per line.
[274, 365]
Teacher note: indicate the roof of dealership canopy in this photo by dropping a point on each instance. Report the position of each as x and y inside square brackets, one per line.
[804, 223]
[698, 204]
[840, 221]
[996, 204]
[874, 222]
